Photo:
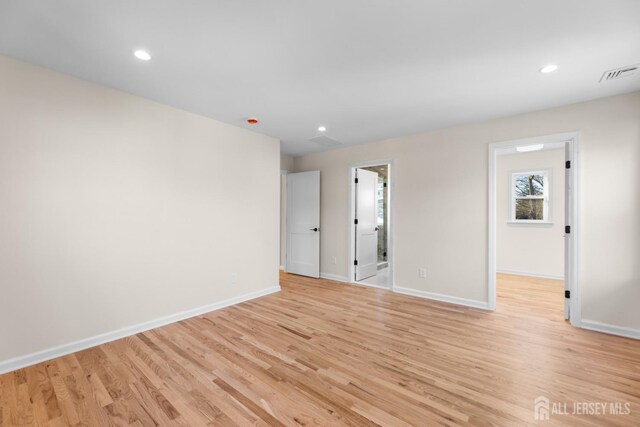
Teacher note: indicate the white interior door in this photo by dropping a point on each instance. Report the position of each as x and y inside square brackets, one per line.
[303, 223]
[367, 225]
[568, 214]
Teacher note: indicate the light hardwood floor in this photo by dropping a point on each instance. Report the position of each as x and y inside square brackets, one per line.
[327, 353]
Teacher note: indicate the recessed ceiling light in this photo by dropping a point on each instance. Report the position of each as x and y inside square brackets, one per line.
[548, 68]
[142, 55]
[322, 128]
[527, 148]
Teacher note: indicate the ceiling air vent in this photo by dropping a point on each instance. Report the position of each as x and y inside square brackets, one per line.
[325, 141]
[619, 73]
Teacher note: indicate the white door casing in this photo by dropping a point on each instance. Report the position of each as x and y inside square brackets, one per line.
[367, 225]
[568, 214]
[303, 223]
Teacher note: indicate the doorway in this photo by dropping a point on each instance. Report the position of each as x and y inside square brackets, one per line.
[533, 220]
[370, 231]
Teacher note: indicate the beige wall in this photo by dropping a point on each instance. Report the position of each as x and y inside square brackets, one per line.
[530, 248]
[115, 210]
[440, 174]
[286, 163]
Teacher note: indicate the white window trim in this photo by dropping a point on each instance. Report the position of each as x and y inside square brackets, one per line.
[546, 197]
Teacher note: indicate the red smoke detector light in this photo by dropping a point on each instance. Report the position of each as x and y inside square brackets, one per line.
[252, 120]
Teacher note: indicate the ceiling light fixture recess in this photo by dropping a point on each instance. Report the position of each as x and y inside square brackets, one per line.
[527, 148]
[322, 128]
[142, 55]
[548, 68]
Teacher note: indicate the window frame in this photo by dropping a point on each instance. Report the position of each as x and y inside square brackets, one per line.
[546, 197]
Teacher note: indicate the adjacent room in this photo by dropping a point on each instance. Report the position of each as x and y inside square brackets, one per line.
[296, 213]
[530, 230]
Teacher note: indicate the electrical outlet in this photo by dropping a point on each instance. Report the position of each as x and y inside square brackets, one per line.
[234, 278]
[335, 260]
[422, 272]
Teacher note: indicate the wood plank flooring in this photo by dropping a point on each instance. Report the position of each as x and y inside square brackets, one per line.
[327, 353]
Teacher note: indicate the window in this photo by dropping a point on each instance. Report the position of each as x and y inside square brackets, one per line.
[530, 197]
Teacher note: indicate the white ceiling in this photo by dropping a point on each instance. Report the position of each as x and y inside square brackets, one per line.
[366, 69]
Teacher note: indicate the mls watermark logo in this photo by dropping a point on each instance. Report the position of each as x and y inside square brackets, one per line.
[541, 408]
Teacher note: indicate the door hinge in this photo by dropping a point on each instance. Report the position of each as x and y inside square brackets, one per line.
[567, 294]
[567, 229]
[356, 180]
[385, 185]
[355, 262]
[355, 221]
[567, 164]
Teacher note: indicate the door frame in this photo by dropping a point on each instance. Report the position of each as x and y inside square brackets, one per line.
[573, 139]
[283, 220]
[351, 230]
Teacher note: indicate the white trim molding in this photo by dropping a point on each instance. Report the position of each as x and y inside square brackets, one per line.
[282, 238]
[369, 285]
[484, 305]
[622, 331]
[333, 277]
[412, 292]
[72, 347]
[530, 274]
[343, 279]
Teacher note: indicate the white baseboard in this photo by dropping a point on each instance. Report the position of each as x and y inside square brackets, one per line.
[334, 277]
[282, 267]
[369, 285]
[443, 298]
[622, 331]
[63, 350]
[527, 273]
[414, 292]
[343, 279]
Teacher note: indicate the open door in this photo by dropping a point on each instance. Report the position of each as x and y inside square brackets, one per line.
[568, 214]
[303, 223]
[366, 224]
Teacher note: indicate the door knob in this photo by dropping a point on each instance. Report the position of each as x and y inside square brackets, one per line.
[314, 229]
[376, 229]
